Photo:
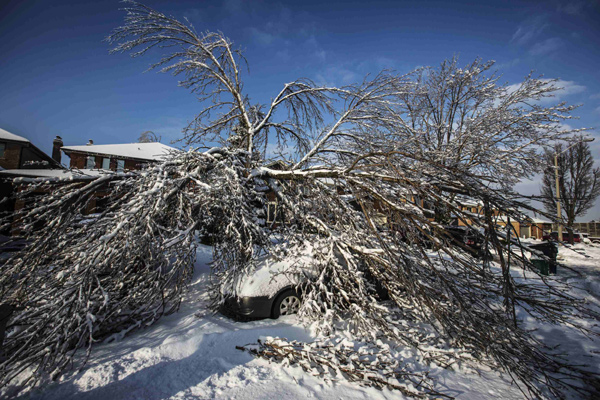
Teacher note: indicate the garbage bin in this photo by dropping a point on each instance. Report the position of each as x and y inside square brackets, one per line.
[5, 312]
[542, 265]
[552, 265]
[550, 250]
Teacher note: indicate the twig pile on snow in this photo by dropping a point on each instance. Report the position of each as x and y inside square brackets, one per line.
[369, 365]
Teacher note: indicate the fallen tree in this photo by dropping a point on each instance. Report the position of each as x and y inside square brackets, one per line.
[369, 168]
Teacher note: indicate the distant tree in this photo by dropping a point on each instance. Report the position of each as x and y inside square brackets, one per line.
[578, 181]
[461, 117]
[148, 137]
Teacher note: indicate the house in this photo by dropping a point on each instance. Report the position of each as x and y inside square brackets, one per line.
[474, 209]
[20, 158]
[115, 157]
[86, 162]
[17, 153]
[94, 159]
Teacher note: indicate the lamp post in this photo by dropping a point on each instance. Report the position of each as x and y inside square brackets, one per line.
[558, 211]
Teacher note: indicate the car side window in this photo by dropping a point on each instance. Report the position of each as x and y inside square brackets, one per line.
[271, 211]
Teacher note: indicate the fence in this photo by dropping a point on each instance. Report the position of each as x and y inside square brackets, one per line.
[591, 228]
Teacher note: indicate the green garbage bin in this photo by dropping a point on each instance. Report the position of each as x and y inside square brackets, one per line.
[542, 265]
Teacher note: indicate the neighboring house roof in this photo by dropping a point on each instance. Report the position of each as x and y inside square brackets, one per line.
[140, 151]
[504, 218]
[6, 135]
[469, 202]
[539, 220]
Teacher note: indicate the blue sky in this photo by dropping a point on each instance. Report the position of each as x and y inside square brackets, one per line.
[57, 77]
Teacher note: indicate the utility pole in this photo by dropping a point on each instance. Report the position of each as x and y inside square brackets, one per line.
[558, 211]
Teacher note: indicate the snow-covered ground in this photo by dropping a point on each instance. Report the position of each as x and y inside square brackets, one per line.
[192, 355]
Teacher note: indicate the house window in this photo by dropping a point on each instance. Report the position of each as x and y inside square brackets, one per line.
[120, 165]
[101, 204]
[271, 212]
[2, 148]
[90, 162]
[106, 163]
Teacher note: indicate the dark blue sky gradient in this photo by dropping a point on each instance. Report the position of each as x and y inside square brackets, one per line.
[57, 77]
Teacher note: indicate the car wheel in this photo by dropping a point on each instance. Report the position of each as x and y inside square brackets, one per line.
[287, 303]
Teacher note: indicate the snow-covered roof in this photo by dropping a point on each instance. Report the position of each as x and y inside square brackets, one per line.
[6, 135]
[469, 201]
[143, 151]
[539, 220]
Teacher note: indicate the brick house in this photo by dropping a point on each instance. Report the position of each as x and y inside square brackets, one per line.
[91, 159]
[86, 163]
[20, 158]
[475, 209]
[17, 153]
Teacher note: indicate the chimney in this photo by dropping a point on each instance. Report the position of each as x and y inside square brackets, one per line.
[91, 142]
[57, 143]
